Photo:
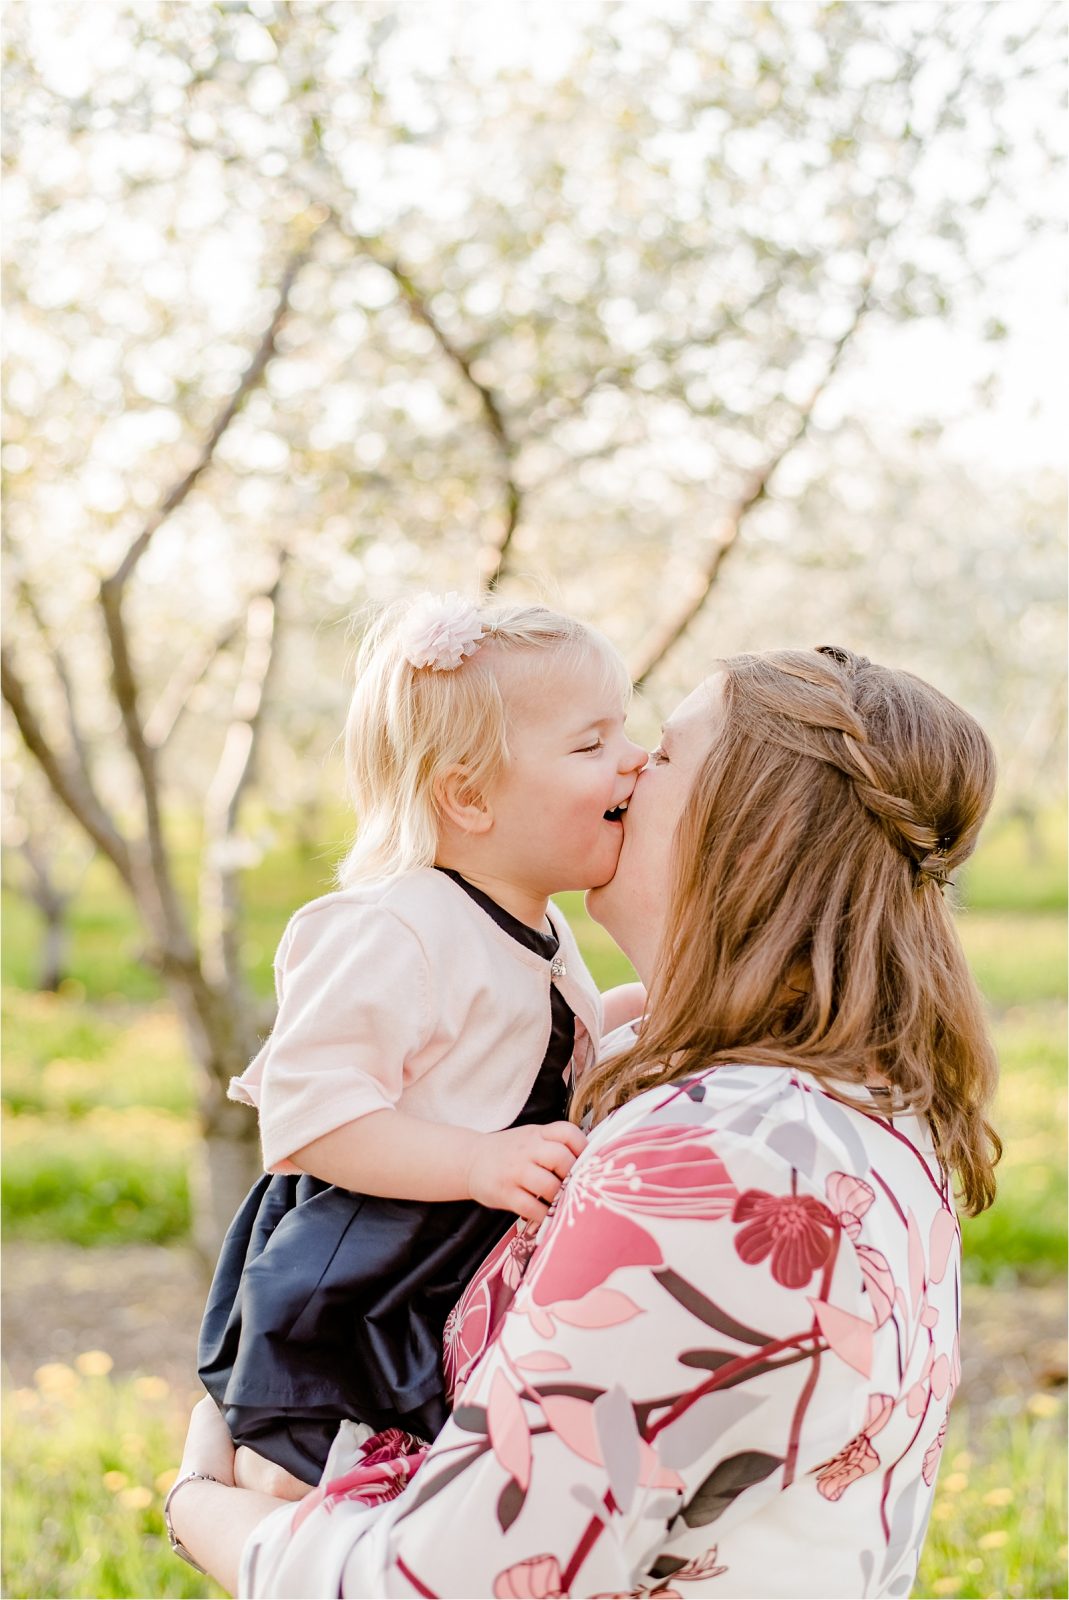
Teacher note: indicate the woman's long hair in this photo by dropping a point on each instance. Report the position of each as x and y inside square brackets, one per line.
[806, 923]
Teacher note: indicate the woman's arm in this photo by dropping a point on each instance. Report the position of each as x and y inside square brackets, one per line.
[213, 1520]
[609, 1400]
[625, 1003]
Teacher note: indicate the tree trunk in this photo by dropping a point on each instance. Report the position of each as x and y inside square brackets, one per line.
[225, 1165]
[221, 1032]
[53, 967]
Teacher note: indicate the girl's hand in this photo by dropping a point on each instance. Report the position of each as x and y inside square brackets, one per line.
[267, 1477]
[522, 1169]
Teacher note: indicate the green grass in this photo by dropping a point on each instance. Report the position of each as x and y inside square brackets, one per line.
[110, 1177]
[608, 965]
[86, 1463]
[998, 1523]
[67, 1056]
[1018, 867]
[1025, 1231]
[1016, 957]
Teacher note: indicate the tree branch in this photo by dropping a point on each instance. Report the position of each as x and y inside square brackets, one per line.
[544, 419]
[156, 887]
[665, 638]
[494, 555]
[68, 782]
[190, 672]
[249, 380]
[219, 878]
[62, 671]
[159, 891]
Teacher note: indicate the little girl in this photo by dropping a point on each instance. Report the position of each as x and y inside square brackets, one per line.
[431, 1015]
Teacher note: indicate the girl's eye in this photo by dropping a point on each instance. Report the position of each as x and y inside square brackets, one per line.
[588, 749]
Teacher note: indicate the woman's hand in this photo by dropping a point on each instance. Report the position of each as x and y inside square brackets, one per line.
[212, 1521]
[521, 1169]
[209, 1447]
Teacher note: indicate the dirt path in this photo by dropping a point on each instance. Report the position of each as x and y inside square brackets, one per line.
[142, 1305]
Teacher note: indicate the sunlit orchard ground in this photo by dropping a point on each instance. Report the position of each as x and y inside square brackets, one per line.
[98, 1123]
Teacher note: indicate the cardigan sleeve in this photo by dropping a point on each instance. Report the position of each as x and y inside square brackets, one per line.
[650, 1372]
[353, 1009]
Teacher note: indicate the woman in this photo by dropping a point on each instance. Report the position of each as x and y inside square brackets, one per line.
[727, 1365]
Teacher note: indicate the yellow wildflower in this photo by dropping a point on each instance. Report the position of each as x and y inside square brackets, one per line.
[94, 1363]
[55, 1377]
[1043, 1405]
[150, 1388]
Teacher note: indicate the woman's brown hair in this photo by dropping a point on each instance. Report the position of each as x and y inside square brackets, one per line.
[806, 924]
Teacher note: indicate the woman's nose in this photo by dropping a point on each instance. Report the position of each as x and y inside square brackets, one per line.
[635, 757]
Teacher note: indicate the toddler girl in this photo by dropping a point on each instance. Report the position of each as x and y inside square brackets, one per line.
[431, 1014]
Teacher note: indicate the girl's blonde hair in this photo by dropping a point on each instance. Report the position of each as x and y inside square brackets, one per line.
[408, 725]
[806, 923]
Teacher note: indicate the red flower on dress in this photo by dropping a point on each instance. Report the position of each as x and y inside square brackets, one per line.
[797, 1231]
[387, 1462]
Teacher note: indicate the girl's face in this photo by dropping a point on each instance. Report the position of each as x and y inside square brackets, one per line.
[632, 905]
[571, 764]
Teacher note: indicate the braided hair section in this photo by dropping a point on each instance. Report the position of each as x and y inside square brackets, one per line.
[927, 841]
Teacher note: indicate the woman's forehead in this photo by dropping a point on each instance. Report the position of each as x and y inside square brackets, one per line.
[700, 709]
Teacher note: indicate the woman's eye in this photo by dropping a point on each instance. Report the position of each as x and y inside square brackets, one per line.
[658, 756]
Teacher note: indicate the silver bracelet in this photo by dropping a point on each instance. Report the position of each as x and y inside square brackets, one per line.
[176, 1544]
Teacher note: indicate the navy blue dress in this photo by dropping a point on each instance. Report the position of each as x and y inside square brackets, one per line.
[328, 1304]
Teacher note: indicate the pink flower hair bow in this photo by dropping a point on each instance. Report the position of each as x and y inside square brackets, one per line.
[440, 630]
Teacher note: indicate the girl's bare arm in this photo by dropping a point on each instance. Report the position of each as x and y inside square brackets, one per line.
[390, 1153]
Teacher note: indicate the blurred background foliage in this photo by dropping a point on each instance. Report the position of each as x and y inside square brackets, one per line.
[727, 326]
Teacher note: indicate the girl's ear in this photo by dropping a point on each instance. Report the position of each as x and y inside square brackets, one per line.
[459, 803]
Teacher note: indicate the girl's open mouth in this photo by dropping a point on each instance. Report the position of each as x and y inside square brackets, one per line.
[617, 812]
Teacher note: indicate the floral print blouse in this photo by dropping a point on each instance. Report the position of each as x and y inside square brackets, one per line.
[723, 1369]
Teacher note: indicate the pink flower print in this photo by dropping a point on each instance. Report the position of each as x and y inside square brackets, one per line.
[930, 1464]
[651, 1172]
[936, 1378]
[538, 1579]
[703, 1566]
[390, 1445]
[388, 1461]
[943, 1240]
[506, 1426]
[476, 1316]
[849, 1198]
[575, 1422]
[797, 1231]
[858, 1458]
[876, 1276]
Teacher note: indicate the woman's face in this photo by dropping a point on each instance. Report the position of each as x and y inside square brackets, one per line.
[632, 904]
